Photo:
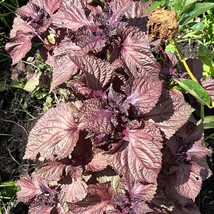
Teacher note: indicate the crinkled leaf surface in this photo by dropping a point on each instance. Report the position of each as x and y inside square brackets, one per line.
[144, 94]
[90, 42]
[64, 67]
[140, 191]
[51, 171]
[198, 150]
[189, 181]
[30, 187]
[170, 113]
[208, 85]
[118, 8]
[94, 118]
[54, 135]
[38, 209]
[52, 5]
[73, 192]
[63, 70]
[137, 9]
[20, 26]
[30, 10]
[98, 200]
[99, 162]
[19, 48]
[141, 159]
[136, 52]
[71, 15]
[185, 138]
[98, 72]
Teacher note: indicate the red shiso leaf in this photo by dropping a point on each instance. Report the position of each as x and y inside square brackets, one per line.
[99, 162]
[136, 52]
[66, 46]
[94, 9]
[80, 87]
[39, 3]
[98, 72]
[189, 181]
[51, 171]
[92, 117]
[52, 5]
[181, 114]
[19, 48]
[73, 192]
[71, 15]
[98, 200]
[30, 187]
[29, 10]
[208, 84]
[140, 208]
[20, 26]
[88, 41]
[198, 150]
[144, 94]
[141, 158]
[104, 190]
[74, 171]
[64, 67]
[55, 134]
[184, 139]
[38, 209]
[171, 112]
[118, 8]
[139, 191]
[137, 9]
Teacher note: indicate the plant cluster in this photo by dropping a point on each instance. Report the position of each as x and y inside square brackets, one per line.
[127, 143]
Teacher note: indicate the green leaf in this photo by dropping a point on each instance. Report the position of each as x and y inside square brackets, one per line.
[33, 82]
[178, 6]
[208, 122]
[196, 90]
[8, 184]
[208, 66]
[8, 189]
[194, 11]
[204, 51]
[188, 3]
[115, 180]
[155, 5]
[198, 26]
[171, 48]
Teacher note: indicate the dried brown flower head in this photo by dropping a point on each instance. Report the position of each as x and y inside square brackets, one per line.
[162, 25]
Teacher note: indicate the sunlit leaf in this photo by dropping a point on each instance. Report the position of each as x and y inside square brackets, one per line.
[196, 90]
[194, 11]
[208, 122]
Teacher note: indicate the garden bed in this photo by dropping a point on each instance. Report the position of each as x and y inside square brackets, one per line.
[20, 109]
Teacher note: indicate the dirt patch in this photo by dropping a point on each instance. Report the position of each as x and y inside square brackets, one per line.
[18, 113]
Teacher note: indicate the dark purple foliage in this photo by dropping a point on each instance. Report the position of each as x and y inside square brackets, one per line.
[126, 145]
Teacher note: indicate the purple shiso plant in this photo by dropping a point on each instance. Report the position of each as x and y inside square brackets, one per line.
[127, 144]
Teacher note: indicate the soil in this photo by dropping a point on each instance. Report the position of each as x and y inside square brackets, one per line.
[18, 113]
